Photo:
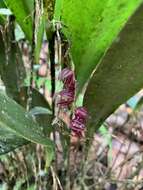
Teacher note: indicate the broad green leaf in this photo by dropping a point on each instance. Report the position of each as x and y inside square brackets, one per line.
[12, 70]
[38, 100]
[2, 52]
[58, 8]
[119, 75]
[91, 26]
[39, 110]
[9, 140]
[2, 4]
[17, 127]
[23, 11]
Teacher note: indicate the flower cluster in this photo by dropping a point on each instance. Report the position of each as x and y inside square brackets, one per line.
[67, 97]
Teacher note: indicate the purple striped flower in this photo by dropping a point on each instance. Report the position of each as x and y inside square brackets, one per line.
[67, 97]
[68, 78]
[68, 93]
[77, 123]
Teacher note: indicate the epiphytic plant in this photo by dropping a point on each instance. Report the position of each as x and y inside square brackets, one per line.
[84, 35]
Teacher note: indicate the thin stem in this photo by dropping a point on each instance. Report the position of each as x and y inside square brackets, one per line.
[29, 91]
[68, 175]
[53, 86]
[52, 69]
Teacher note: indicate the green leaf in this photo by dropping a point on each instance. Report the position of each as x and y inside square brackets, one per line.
[91, 26]
[2, 17]
[2, 4]
[38, 100]
[40, 35]
[119, 75]
[12, 69]
[58, 9]
[23, 11]
[39, 110]
[17, 127]
[9, 141]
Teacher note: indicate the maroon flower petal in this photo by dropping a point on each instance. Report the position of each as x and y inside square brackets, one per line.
[77, 124]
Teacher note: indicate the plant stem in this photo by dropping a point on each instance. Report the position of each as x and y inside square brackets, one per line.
[33, 47]
[53, 86]
[52, 69]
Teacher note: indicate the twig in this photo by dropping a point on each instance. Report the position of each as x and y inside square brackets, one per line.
[56, 181]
